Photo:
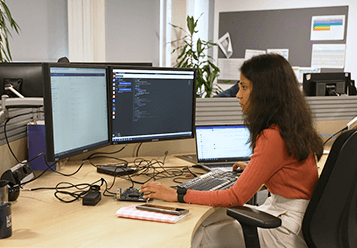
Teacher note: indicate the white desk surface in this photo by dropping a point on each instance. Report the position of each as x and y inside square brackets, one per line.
[41, 220]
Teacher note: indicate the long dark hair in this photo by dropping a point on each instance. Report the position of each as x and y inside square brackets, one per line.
[276, 99]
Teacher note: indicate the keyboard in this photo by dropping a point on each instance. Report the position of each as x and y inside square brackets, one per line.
[213, 180]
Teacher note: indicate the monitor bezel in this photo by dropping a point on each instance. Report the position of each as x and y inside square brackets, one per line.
[50, 154]
[156, 139]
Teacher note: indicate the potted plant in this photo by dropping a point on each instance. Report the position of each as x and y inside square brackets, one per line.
[5, 20]
[193, 55]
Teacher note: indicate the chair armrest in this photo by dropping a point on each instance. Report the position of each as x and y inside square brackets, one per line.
[253, 217]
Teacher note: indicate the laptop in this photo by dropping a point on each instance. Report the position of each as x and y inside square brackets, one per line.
[220, 146]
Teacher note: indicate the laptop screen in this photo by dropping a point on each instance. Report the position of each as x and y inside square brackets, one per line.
[222, 143]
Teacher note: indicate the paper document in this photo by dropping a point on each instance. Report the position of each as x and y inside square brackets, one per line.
[328, 27]
[282, 52]
[252, 52]
[229, 68]
[132, 213]
[299, 71]
[328, 55]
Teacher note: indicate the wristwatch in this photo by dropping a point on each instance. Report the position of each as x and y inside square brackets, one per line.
[181, 192]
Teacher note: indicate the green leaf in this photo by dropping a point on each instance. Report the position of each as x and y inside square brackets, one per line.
[193, 55]
[191, 24]
[5, 54]
[13, 24]
[199, 47]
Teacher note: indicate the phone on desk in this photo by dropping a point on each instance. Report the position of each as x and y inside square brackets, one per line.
[162, 209]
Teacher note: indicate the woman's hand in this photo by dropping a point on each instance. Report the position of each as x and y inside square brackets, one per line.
[156, 190]
[242, 165]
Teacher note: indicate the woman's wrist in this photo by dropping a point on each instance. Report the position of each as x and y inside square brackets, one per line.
[181, 193]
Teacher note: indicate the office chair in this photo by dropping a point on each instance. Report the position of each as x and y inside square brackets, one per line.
[330, 219]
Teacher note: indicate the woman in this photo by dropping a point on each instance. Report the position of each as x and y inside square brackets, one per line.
[284, 144]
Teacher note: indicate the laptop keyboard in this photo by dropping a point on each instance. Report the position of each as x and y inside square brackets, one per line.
[221, 165]
[213, 180]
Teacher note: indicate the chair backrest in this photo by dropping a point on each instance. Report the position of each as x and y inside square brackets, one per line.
[330, 219]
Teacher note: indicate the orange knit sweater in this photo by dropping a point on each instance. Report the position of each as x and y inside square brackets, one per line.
[270, 165]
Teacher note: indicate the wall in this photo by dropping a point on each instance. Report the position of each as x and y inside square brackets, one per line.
[133, 29]
[44, 33]
[240, 5]
[178, 18]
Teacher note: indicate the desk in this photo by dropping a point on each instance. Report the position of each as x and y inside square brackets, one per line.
[41, 220]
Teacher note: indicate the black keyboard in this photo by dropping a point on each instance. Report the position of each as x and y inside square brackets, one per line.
[213, 180]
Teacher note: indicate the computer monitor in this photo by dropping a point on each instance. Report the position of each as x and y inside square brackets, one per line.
[26, 78]
[152, 104]
[328, 84]
[76, 109]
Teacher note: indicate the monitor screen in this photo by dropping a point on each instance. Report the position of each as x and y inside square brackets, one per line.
[26, 78]
[151, 104]
[76, 109]
[327, 84]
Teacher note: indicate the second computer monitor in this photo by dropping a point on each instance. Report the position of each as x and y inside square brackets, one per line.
[151, 104]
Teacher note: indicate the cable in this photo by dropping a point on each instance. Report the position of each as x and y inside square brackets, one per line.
[79, 193]
[327, 134]
[49, 167]
[125, 162]
[137, 149]
[66, 175]
[165, 155]
[96, 153]
[335, 135]
[154, 170]
[13, 154]
[147, 170]
[5, 132]
[36, 177]
[80, 190]
[78, 169]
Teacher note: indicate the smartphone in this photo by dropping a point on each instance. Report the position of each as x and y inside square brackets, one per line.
[162, 209]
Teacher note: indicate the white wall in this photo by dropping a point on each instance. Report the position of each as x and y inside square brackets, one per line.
[242, 5]
[131, 35]
[133, 28]
[44, 33]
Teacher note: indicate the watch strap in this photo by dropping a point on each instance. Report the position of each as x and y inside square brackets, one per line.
[181, 192]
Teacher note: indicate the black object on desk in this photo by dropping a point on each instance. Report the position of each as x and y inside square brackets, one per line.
[92, 197]
[131, 194]
[115, 170]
